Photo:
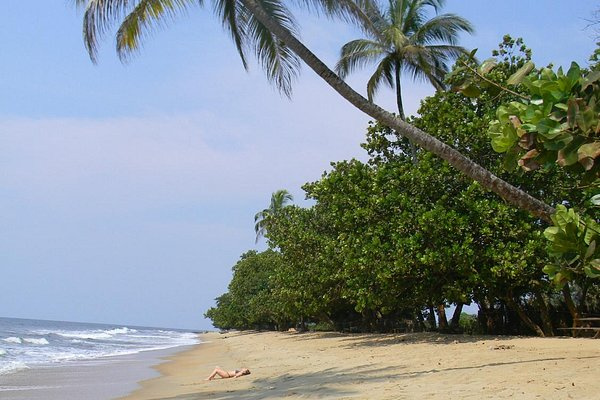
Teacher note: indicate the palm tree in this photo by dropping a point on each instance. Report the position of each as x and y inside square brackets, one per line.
[401, 39]
[266, 27]
[279, 200]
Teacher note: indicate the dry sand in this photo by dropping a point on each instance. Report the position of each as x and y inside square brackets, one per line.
[395, 366]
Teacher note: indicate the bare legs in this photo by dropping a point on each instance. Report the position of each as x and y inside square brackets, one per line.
[221, 372]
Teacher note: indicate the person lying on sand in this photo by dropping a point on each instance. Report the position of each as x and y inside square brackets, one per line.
[228, 374]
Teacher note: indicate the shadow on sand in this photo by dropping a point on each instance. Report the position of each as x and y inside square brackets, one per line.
[317, 384]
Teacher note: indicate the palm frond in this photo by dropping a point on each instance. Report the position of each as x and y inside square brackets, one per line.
[100, 15]
[435, 4]
[448, 51]
[279, 62]
[143, 19]
[229, 12]
[357, 54]
[425, 65]
[279, 200]
[383, 73]
[442, 28]
[363, 13]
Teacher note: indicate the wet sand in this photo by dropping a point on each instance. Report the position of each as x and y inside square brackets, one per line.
[395, 366]
[100, 379]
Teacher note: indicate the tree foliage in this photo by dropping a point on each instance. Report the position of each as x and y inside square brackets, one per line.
[249, 302]
[388, 243]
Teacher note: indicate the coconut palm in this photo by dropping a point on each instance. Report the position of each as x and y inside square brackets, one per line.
[402, 39]
[279, 200]
[267, 28]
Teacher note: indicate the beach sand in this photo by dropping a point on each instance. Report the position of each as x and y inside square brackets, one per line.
[394, 366]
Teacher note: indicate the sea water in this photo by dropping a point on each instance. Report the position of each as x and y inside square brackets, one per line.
[30, 345]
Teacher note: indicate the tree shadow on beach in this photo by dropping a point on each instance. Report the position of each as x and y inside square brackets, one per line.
[351, 340]
[328, 383]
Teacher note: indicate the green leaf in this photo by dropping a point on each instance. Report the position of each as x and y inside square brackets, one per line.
[549, 128]
[551, 270]
[521, 73]
[559, 142]
[564, 216]
[593, 269]
[561, 106]
[591, 249]
[572, 111]
[592, 230]
[574, 74]
[470, 90]
[596, 200]
[509, 163]
[587, 154]
[567, 157]
[550, 233]
[503, 136]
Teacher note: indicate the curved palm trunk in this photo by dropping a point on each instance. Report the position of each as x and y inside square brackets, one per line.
[474, 171]
[413, 149]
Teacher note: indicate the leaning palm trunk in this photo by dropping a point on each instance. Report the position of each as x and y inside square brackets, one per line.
[471, 169]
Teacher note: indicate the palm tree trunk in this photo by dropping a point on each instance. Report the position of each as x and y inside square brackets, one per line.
[455, 321]
[413, 149]
[474, 171]
[399, 93]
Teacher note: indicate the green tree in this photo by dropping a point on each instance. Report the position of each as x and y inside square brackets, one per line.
[279, 200]
[249, 302]
[266, 27]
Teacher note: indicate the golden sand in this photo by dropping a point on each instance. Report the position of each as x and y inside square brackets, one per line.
[367, 366]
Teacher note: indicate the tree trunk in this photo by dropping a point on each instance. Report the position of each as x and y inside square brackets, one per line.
[456, 317]
[413, 149]
[566, 290]
[544, 314]
[442, 320]
[523, 315]
[431, 318]
[474, 171]
[421, 321]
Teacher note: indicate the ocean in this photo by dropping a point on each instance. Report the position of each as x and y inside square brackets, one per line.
[39, 359]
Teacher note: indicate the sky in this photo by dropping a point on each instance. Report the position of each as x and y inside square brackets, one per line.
[128, 191]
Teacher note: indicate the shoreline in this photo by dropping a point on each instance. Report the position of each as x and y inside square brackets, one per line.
[379, 366]
[95, 379]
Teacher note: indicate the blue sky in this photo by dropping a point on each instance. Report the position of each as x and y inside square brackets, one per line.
[128, 191]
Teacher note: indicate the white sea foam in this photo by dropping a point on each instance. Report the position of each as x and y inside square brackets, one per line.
[118, 331]
[52, 343]
[2, 352]
[98, 335]
[22, 388]
[40, 341]
[13, 366]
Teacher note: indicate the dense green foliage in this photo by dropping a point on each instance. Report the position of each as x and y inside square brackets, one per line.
[249, 302]
[553, 120]
[390, 243]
